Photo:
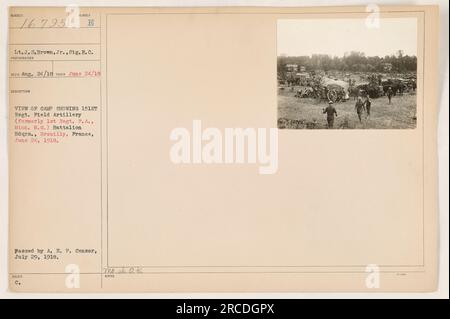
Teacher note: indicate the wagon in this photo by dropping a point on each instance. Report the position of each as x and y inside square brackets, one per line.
[336, 90]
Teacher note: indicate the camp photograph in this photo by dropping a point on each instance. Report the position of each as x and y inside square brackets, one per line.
[347, 73]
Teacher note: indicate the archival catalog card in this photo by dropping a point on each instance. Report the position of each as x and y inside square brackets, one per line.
[223, 149]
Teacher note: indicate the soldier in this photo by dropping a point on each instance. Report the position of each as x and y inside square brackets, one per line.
[367, 105]
[359, 106]
[331, 112]
[389, 94]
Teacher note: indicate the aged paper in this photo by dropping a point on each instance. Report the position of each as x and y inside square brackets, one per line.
[187, 150]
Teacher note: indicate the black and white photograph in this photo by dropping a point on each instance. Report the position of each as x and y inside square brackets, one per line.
[347, 73]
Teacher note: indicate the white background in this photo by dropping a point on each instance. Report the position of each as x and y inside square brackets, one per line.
[443, 290]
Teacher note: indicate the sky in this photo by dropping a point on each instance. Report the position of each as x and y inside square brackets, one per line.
[297, 37]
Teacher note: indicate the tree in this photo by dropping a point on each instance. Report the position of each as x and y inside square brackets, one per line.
[354, 61]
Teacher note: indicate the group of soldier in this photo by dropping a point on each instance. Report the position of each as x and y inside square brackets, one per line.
[361, 106]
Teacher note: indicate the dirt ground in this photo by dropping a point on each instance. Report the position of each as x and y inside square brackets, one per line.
[307, 113]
